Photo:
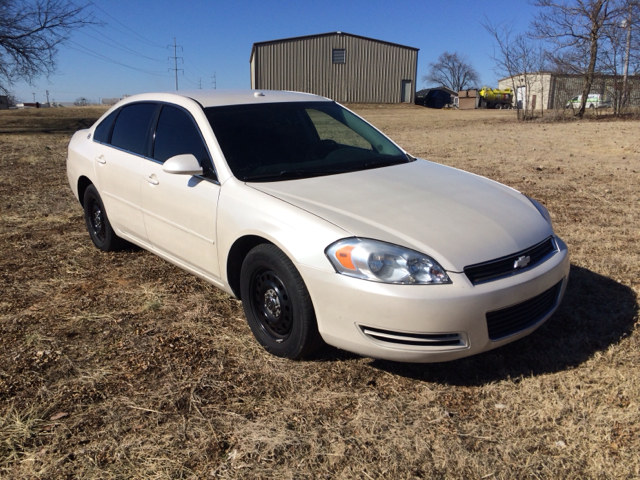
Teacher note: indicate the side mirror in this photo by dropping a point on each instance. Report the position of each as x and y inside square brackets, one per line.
[185, 164]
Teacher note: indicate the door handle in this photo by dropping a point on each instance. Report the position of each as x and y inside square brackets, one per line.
[152, 179]
[101, 159]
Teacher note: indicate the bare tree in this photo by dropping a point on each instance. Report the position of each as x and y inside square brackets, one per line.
[575, 28]
[452, 71]
[30, 32]
[518, 57]
[82, 102]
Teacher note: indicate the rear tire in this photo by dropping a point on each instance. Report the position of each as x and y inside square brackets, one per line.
[277, 304]
[98, 225]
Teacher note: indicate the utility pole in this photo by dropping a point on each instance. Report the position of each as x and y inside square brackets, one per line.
[200, 83]
[48, 104]
[214, 80]
[175, 59]
[625, 76]
[34, 96]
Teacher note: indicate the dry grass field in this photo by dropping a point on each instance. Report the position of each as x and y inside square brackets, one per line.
[119, 365]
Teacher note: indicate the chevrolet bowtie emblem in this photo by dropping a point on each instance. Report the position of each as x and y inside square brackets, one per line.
[522, 261]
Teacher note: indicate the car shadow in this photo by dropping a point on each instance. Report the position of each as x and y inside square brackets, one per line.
[596, 312]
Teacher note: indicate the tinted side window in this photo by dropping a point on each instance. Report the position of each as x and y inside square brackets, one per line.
[132, 127]
[103, 131]
[177, 134]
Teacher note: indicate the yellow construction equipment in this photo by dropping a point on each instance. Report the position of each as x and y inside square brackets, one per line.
[495, 98]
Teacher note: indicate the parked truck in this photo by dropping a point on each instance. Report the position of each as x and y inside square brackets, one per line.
[495, 98]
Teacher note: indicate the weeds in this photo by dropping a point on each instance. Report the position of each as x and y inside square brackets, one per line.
[119, 365]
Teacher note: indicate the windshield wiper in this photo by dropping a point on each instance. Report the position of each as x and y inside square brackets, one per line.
[302, 173]
[386, 162]
[289, 174]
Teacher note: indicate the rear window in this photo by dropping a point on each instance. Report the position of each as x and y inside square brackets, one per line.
[132, 127]
[103, 131]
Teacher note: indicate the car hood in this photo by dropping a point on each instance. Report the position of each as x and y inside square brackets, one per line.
[456, 217]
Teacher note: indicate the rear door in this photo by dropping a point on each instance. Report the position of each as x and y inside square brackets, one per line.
[118, 162]
[180, 210]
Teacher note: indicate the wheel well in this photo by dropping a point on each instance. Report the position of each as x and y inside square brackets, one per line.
[237, 254]
[83, 183]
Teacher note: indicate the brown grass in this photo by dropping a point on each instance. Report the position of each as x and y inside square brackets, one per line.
[120, 365]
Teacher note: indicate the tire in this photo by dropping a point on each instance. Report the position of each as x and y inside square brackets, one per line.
[498, 106]
[277, 304]
[98, 224]
[592, 106]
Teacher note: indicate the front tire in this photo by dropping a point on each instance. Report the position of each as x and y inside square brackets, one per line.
[98, 224]
[277, 304]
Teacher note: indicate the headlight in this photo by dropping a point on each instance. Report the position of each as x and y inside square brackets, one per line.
[542, 209]
[383, 262]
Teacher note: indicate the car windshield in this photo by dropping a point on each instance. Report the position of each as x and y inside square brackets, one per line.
[283, 141]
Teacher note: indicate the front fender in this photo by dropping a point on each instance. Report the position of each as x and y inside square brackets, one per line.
[301, 235]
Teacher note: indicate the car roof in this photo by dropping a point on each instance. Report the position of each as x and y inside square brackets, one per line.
[211, 98]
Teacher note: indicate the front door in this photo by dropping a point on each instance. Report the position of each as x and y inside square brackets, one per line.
[406, 91]
[521, 95]
[180, 210]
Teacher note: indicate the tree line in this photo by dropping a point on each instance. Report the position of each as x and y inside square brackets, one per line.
[580, 37]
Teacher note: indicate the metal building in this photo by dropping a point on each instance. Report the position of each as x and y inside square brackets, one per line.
[337, 65]
[548, 90]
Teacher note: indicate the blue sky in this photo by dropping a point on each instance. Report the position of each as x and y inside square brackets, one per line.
[216, 37]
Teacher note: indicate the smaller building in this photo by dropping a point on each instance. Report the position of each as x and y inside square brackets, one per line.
[468, 99]
[438, 97]
[547, 90]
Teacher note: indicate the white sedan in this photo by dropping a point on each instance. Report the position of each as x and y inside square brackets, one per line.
[323, 227]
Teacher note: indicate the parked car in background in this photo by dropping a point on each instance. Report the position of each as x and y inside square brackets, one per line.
[594, 100]
[325, 228]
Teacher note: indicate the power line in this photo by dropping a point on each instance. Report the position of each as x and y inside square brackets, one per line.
[151, 42]
[92, 53]
[124, 47]
[190, 79]
[194, 84]
[194, 65]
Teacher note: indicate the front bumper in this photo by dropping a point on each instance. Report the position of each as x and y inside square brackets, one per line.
[448, 321]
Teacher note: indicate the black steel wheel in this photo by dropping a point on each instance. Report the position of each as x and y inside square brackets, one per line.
[98, 225]
[272, 304]
[277, 304]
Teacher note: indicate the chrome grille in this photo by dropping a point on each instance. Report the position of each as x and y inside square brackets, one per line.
[508, 321]
[506, 266]
[415, 339]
